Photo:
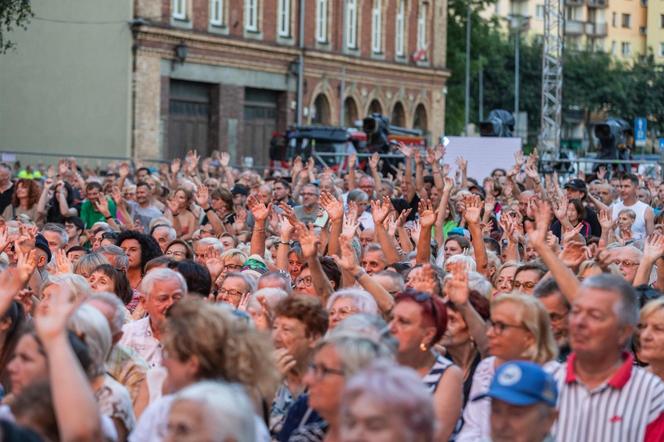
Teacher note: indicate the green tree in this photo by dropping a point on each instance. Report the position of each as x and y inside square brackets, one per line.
[13, 13]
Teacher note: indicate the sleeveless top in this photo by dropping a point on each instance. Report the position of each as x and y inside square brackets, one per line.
[639, 208]
[431, 381]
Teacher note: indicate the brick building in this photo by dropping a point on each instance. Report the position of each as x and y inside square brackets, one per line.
[223, 74]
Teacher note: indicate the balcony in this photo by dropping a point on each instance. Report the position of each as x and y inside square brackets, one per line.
[596, 29]
[574, 2]
[598, 3]
[574, 27]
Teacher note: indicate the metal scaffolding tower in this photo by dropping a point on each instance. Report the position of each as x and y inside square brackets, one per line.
[552, 78]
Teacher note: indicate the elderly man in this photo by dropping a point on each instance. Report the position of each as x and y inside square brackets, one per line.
[374, 259]
[202, 245]
[548, 292]
[523, 403]
[235, 287]
[56, 236]
[309, 210]
[603, 395]
[161, 289]
[163, 234]
[627, 259]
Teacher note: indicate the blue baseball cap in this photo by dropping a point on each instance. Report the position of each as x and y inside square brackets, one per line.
[522, 383]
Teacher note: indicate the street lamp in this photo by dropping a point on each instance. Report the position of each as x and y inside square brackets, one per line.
[517, 24]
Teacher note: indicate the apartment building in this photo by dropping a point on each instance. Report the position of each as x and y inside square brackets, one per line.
[626, 29]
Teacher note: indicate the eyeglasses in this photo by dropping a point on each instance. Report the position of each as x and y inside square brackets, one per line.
[421, 298]
[344, 311]
[320, 371]
[304, 282]
[557, 317]
[230, 293]
[499, 327]
[626, 263]
[308, 194]
[526, 285]
[176, 253]
[233, 266]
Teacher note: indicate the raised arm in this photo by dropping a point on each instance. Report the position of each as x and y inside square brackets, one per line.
[310, 244]
[373, 166]
[69, 385]
[652, 251]
[472, 216]
[379, 211]
[203, 200]
[427, 219]
[335, 212]
[260, 212]
[407, 151]
[566, 279]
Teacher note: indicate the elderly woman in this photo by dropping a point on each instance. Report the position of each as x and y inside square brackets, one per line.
[233, 260]
[179, 250]
[348, 302]
[88, 263]
[232, 351]
[105, 278]
[387, 402]
[519, 329]
[336, 359]
[114, 401]
[419, 322]
[211, 410]
[651, 336]
[78, 287]
[503, 279]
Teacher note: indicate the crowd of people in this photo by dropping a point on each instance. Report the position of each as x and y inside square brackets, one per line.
[385, 302]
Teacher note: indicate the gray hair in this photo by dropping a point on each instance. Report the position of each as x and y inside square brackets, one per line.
[396, 278]
[356, 351]
[172, 234]
[56, 228]
[478, 282]
[357, 195]
[249, 282]
[161, 275]
[214, 242]
[120, 313]
[282, 276]
[627, 309]
[226, 407]
[372, 326]
[468, 260]
[120, 257]
[92, 327]
[272, 295]
[88, 263]
[360, 299]
[78, 284]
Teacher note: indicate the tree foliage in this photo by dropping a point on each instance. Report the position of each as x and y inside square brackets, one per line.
[13, 14]
[592, 81]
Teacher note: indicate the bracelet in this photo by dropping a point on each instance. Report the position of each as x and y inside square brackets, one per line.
[286, 243]
[208, 209]
[359, 274]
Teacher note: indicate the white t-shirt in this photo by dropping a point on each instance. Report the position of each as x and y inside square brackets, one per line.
[639, 208]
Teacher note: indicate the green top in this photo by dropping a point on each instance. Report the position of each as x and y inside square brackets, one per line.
[90, 215]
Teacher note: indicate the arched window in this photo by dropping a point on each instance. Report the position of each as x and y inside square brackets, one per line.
[375, 107]
[398, 115]
[321, 111]
[420, 118]
[350, 112]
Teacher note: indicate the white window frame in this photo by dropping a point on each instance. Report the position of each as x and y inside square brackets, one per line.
[251, 15]
[217, 12]
[422, 27]
[321, 21]
[284, 18]
[400, 22]
[626, 49]
[179, 9]
[539, 12]
[351, 24]
[377, 27]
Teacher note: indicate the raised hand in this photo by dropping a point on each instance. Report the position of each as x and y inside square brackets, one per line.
[289, 213]
[348, 260]
[176, 164]
[407, 151]
[654, 247]
[213, 262]
[309, 241]
[224, 159]
[573, 254]
[473, 210]
[601, 173]
[62, 263]
[571, 234]
[258, 209]
[116, 194]
[403, 216]
[173, 206]
[285, 228]
[456, 288]
[415, 230]
[26, 264]
[537, 234]
[605, 220]
[349, 227]
[52, 316]
[333, 206]
[518, 158]
[390, 224]
[373, 161]
[380, 209]
[462, 163]
[123, 170]
[427, 214]
[102, 206]
[203, 196]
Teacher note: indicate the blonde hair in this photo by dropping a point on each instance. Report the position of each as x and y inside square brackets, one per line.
[226, 346]
[232, 253]
[536, 320]
[506, 265]
[650, 308]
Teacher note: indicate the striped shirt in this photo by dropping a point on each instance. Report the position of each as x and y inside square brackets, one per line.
[628, 407]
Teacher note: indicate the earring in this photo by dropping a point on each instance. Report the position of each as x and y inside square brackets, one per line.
[423, 347]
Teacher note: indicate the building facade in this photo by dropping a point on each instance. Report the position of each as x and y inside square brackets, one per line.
[223, 74]
[627, 29]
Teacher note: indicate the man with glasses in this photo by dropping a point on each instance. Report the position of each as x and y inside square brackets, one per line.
[235, 288]
[527, 276]
[554, 302]
[310, 208]
[74, 227]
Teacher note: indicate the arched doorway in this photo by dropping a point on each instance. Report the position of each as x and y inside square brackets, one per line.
[350, 112]
[375, 107]
[398, 115]
[420, 119]
[321, 111]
